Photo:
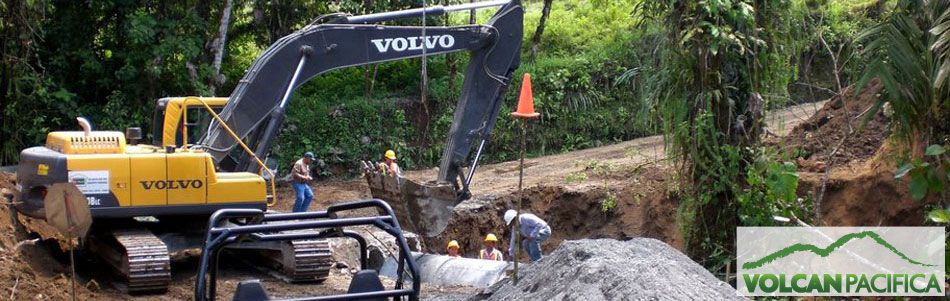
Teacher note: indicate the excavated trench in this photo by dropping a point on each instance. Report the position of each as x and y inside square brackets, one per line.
[643, 209]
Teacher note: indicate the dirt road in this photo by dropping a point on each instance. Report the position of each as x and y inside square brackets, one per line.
[503, 177]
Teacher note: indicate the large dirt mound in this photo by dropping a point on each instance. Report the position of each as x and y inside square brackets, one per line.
[29, 270]
[815, 139]
[608, 269]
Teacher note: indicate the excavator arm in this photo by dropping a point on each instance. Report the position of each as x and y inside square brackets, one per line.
[257, 106]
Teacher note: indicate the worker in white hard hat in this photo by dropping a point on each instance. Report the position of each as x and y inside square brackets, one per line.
[453, 249]
[389, 164]
[490, 252]
[534, 231]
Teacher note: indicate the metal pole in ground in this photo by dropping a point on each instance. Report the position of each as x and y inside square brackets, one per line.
[517, 229]
[72, 265]
[69, 234]
[525, 111]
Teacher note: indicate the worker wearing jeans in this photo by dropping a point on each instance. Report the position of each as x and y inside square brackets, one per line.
[301, 175]
[533, 231]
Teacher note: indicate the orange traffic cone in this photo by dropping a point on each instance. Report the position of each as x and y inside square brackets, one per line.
[526, 100]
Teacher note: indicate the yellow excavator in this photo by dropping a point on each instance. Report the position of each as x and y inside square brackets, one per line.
[206, 153]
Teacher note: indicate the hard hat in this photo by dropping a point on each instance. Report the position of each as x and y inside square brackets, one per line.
[509, 216]
[309, 155]
[452, 243]
[391, 154]
[491, 237]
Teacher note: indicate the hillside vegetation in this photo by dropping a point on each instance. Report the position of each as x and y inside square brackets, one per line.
[110, 61]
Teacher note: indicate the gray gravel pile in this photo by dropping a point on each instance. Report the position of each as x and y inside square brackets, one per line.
[608, 269]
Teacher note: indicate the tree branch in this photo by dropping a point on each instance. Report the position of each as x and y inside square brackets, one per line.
[218, 46]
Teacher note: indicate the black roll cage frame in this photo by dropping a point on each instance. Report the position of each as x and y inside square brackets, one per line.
[250, 225]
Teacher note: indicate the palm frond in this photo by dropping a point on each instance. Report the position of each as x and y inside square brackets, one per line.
[941, 48]
[627, 76]
[912, 60]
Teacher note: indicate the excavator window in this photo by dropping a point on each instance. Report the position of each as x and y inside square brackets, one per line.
[158, 119]
[197, 123]
[192, 122]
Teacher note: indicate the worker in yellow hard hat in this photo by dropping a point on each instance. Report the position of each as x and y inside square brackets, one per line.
[390, 165]
[453, 249]
[489, 252]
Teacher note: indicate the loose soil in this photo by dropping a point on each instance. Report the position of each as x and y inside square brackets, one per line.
[30, 269]
[865, 193]
[844, 125]
[860, 189]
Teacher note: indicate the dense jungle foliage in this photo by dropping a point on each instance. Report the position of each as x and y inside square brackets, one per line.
[703, 73]
[111, 60]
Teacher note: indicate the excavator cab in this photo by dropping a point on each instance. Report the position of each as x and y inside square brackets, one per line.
[182, 120]
[242, 226]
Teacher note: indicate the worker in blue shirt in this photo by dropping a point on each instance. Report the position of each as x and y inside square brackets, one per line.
[533, 229]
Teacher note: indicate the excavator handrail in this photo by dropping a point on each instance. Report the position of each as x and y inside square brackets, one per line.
[432, 10]
[272, 201]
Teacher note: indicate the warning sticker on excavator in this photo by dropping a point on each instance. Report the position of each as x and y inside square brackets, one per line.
[90, 181]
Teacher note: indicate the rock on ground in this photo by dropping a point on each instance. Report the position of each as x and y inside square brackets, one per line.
[608, 269]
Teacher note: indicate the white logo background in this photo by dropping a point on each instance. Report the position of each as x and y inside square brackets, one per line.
[857, 256]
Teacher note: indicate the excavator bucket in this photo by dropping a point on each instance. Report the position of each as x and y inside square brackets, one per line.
[421, 208]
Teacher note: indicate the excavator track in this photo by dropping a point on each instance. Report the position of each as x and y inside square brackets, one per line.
[297, 261]
[138, 255]
[311, 260]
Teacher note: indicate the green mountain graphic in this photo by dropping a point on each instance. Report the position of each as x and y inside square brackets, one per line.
[827, 251]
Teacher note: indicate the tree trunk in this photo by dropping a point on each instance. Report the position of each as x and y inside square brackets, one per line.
[369, 71]
[218, 46]
[424, 87]
[536, 39]
[369, 80]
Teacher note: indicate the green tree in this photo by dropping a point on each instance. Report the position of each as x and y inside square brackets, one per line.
[720, 57]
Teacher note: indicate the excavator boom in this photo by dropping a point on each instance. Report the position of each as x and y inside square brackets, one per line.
[256, 108]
